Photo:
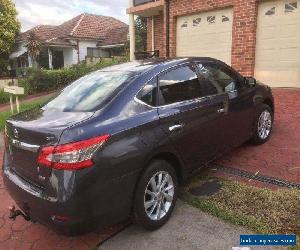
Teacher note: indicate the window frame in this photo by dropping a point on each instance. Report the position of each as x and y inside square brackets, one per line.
[233, 73]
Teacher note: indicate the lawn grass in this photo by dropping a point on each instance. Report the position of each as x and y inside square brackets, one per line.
[25, 106]
[261, 210]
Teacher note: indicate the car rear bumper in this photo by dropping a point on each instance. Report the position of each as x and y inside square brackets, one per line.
[80, 213]
[44, 210]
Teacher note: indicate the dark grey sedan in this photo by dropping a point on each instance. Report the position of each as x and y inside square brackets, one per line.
[118, 142]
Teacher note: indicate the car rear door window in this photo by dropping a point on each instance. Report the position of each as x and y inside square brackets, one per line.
[179, 85]
[148, 93]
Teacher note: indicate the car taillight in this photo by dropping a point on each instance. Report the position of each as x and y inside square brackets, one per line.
[71, 156]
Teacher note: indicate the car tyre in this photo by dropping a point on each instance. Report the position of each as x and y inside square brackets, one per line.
[156, 195]
[263, 124]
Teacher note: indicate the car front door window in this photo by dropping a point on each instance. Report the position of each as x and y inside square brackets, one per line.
[219, 78]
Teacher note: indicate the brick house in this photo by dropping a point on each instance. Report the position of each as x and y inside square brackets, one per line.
[84, 37]
[257, 37]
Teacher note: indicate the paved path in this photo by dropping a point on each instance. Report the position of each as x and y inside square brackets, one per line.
[188, 228]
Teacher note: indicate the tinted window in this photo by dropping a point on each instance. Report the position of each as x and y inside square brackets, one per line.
[179, 85]
[208, 86]
[87, 93]
[217, 77]
[148, 94]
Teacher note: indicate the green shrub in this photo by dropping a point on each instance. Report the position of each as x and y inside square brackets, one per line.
[3, 66]
[4, 97]
[41, 80]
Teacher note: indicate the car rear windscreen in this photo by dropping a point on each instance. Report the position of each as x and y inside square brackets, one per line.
[89, 92]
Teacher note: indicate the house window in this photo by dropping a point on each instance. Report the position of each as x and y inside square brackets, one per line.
[196, 21]
[118, 51]
[225, 19]
[185, 24]
[291, 7]
[271, 11]
[97, 52]
[93, 52]
[211, 19]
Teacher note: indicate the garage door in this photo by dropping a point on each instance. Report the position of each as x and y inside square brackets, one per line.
[205, 34]
[278, 43]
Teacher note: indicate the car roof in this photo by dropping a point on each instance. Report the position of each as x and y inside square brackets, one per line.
[141, 66]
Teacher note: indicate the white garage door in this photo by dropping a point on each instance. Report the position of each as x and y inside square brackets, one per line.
[278, 43]
[205, 34]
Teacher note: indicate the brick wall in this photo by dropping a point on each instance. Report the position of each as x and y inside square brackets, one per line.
[244, 28]
[159, 34]
[149, 34]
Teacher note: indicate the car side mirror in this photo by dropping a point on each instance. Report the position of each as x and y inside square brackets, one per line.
[250, 81]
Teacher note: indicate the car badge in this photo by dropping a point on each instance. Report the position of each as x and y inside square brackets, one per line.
[50, 138]
[16, 133]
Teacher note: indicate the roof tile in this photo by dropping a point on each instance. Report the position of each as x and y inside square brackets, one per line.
[107, 30]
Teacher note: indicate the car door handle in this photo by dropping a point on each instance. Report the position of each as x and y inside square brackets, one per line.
[176, 128]
[220, 111]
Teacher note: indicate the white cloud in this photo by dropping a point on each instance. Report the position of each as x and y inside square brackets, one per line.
[53, 12]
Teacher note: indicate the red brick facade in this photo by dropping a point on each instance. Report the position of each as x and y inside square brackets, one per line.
[244, 28]
[159, 34]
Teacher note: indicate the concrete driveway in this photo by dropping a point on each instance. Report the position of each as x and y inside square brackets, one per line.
[188, 228]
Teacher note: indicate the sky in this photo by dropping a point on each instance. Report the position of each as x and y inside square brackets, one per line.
[53, 12]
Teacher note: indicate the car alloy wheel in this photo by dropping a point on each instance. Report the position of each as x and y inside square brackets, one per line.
[264, 124]
[159, 195]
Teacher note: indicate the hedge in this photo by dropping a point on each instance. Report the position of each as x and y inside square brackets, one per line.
[4, 97]
[41, 80]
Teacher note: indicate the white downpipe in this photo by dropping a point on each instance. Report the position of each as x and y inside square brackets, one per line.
[29, 61]
[50, 58]
[132, 37]
[131, 33]
[152, 34]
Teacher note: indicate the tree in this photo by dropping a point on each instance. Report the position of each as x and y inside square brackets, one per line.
[33, 47]
[141, 33]
[9, 26]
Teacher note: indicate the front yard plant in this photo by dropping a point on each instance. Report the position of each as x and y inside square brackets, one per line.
[4, 97]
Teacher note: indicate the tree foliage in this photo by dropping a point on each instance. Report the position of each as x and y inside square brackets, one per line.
[33, 46]
[9, 25]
